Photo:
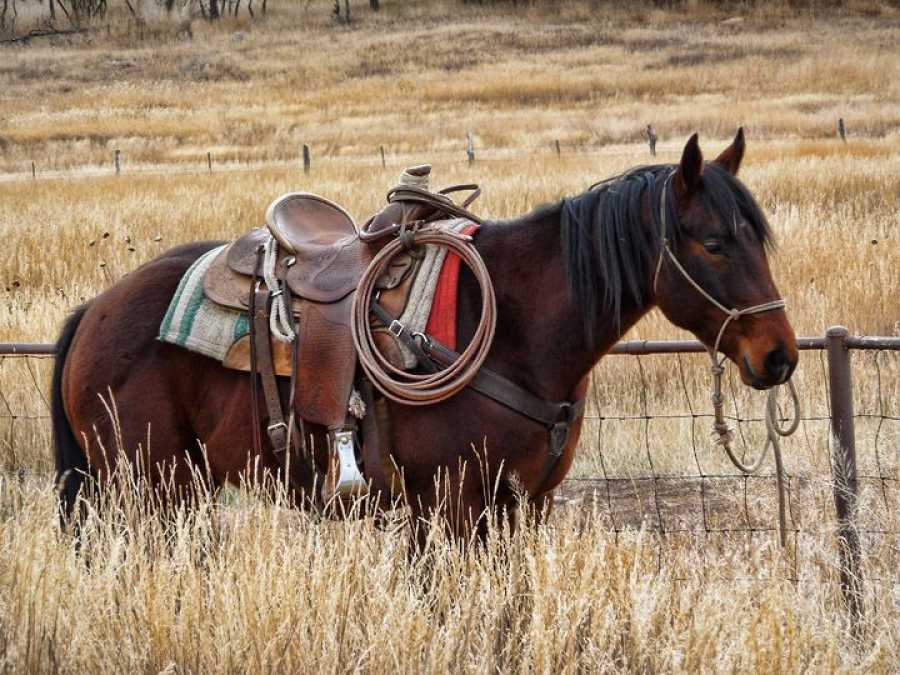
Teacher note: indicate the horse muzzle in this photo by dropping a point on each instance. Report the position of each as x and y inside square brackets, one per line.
[774, 368]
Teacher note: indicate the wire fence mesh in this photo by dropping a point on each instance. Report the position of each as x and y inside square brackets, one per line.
[647, 459]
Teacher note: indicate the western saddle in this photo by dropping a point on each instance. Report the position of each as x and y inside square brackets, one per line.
[296, 278]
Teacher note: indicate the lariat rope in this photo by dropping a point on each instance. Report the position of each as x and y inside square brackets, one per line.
[723, 433]
[279, 321]
[422, 389]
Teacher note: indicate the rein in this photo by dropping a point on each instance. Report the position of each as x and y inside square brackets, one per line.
[724, 434]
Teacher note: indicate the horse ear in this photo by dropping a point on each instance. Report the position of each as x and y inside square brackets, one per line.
[731, 157]
[690, 170]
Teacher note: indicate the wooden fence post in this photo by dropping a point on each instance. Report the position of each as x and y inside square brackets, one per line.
[843, 469]
[558, 153]
[470, 147]
[306, 159]
[650, 133]
[842, 131]
[383, 163]
[33, 171]
[209, 161]
[117, 158]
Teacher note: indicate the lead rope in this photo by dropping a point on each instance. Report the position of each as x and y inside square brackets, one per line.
[725, 434]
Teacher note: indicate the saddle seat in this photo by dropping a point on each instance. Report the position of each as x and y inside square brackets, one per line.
[320, 254]
[304, 222]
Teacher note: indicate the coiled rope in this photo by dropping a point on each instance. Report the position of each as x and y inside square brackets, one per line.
[412, 388]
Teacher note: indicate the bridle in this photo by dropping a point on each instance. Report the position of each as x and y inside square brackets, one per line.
[724, 434]
[731, 314]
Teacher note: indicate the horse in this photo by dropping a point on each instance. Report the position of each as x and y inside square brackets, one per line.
[570, 279]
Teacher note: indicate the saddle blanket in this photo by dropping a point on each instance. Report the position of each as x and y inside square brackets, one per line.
[198, 324]
[195, 322]
[431, 307]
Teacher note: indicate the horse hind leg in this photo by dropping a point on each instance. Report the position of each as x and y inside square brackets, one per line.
[157, 460]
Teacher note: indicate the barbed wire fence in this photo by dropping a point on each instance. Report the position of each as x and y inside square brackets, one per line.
[648, 462]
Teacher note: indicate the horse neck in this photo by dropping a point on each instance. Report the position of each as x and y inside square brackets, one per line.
[539, 342]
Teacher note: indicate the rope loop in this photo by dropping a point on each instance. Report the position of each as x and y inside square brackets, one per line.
[417, 389]
[279, 320]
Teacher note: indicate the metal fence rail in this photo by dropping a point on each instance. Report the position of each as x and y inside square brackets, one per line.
[707, 493]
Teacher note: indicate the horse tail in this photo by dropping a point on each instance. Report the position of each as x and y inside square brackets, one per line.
[71, 462]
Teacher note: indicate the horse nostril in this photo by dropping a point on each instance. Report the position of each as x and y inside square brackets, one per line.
[778, 364]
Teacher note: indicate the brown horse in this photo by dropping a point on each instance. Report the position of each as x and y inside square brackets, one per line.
[570, 279]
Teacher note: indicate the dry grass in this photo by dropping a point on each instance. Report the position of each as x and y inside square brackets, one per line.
[248, 585]
[254, 587]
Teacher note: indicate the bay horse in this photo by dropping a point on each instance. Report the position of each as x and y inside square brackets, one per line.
[570, 279]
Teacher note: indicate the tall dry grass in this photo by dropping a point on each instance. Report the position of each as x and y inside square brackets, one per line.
[244, 583]
[255, 587]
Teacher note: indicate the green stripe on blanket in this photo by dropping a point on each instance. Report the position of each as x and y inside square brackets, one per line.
[196, 323]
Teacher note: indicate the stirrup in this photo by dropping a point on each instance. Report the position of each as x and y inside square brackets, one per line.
[344, 477]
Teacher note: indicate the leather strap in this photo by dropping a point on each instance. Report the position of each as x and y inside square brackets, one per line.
[256, 422]
[557, 417]
[277, 428]
[283, 435]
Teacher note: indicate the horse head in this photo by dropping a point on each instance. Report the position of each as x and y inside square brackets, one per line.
[712, 277]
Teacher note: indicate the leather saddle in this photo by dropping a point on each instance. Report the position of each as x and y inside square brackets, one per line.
[321, 256]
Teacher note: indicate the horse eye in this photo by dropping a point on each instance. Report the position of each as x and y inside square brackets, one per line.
[714, 245]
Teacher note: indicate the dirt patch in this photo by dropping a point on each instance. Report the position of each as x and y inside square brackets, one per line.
[687, 503]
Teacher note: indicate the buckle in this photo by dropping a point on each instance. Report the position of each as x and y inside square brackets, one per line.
[396, 328]
[566, 413]
[273, 427]
[423, 340]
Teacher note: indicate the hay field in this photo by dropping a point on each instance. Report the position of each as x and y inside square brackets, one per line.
[246, 585]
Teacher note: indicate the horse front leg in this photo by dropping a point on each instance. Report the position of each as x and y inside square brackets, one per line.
[451, 499]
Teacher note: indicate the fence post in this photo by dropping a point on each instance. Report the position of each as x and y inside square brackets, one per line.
[306, 158]
[383, 163]
[470, 147]
[33, 171]
[842, 130]
[118, 160]
[843, 468]
[209, 161]
[650, 134]
[558, 153]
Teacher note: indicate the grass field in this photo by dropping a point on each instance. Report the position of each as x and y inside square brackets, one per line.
[247, 585]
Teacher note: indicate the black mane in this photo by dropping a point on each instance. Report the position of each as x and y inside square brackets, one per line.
[610, 252]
